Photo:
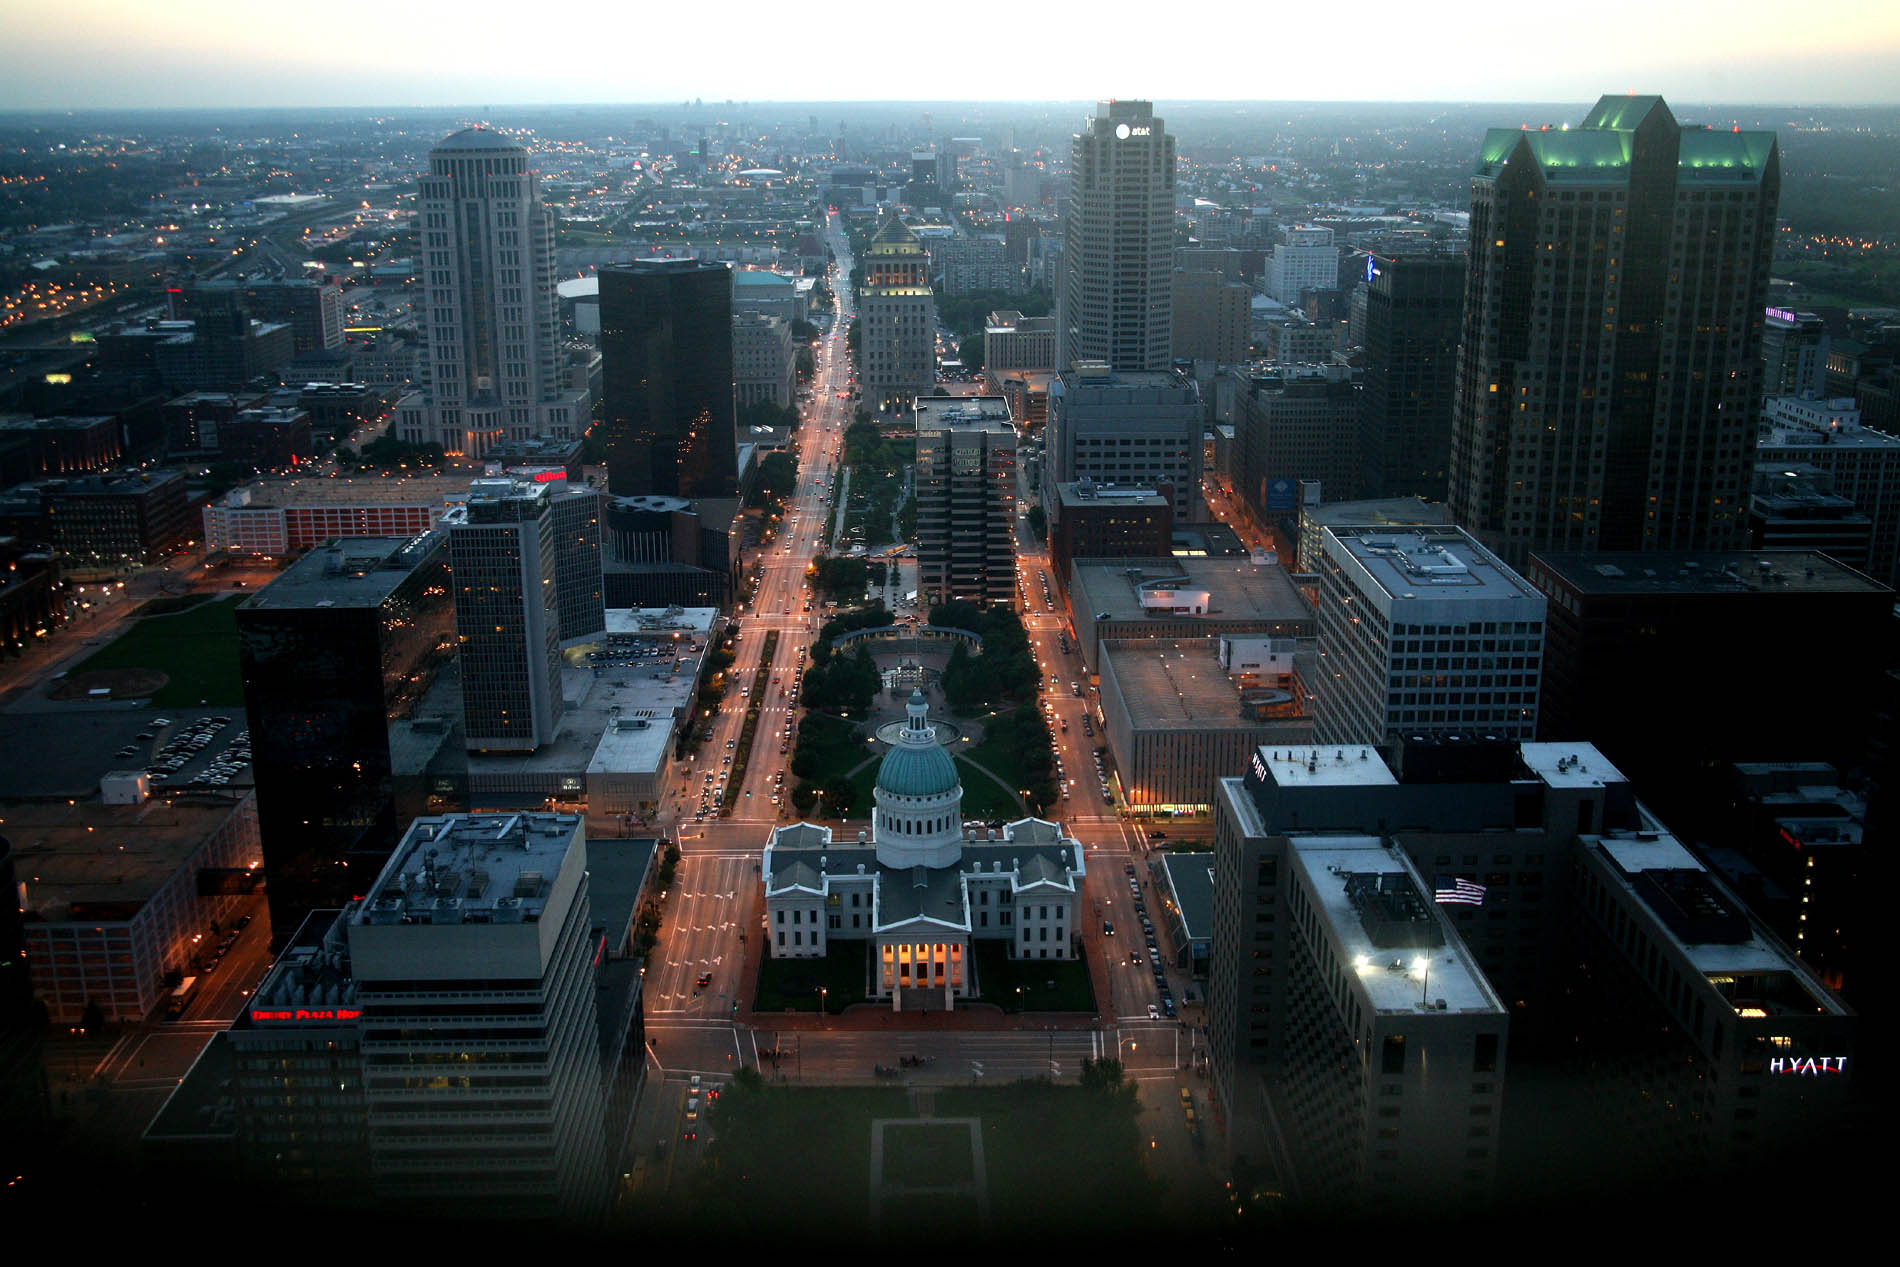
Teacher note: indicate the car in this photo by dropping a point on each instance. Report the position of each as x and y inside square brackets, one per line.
[1153, 835]
[1128, 869]
[1108, 929]
[704, 980]
[1154, 1013]
[1167, 1006]
[693, 1084]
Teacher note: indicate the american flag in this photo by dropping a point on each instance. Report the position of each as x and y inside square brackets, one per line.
[1446, 889]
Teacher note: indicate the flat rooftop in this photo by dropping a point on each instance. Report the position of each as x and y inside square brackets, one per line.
[1745, 950]
[1238, 589]
[964, 413]
[59, 750]
[488, 862]
[1422, 975]
[92, 854]
[1442, 563]
[1632, 572]
[1170, 683]
[1325, 765]
[351, 572]
[1377, 514]
[1569, 764]
[1085, 494]
[660, 622]
[359, 490]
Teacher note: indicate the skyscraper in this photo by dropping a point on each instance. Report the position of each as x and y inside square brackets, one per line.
[488, 319]
[334, 653]
[966, 504]
[1115, 301]
[502, 549]
[1610, 370]
[666, 351]
[897, 337]
[1413, 305]
[1307, 260]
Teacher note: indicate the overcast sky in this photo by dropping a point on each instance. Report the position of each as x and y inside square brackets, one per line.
[72, 54]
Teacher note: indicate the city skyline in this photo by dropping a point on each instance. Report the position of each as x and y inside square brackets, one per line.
[112, 54]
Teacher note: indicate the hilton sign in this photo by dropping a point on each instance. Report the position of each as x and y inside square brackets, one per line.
[1806, 1066]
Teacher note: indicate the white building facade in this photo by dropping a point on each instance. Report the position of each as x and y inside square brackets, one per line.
[924, 886]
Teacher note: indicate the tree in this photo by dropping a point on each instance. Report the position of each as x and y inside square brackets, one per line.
[1101, 1075]
[807, 364]
[840, 794]
[778, 476]
[970, 352]
[1039, 523]
[804, 796]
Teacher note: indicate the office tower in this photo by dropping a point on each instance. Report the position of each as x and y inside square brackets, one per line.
[666, 403]
[1115, 299]
[1423, 632]
[1794, 348]
[1116, 427]
[479, 946]
[1306, 260]
[966, 498]
[1113, 522]
[502, 551]
[1413, 308]
[1212, 317]
[897, 325]
[313, 309]
[1294, 424]
[1012, 341]
[578, 591]
[764, 367]
[1661, 1029]
[335, 652]
[488, 320]
[1662, 626]
[1609, 373]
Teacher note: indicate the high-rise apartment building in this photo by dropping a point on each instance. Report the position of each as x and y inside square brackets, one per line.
[335, 653]
[1115, 297]
[1423, 632]
[1794, 348]
[1609, 373]
[966, 498]
[503, 550]
[1414, 304]
[1306, 260]
[489, 317]
[1294, 424]
[1115, 427]
[666, 409]
[897, 323]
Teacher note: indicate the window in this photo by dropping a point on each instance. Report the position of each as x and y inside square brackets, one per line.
[1486, 1058]
[1392, 1056]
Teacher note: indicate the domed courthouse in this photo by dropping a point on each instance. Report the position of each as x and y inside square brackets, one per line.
[922, 886]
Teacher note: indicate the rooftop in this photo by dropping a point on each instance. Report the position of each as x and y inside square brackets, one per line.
[964, 413]
[1634, 572]
[407, 490]
[1237, 589]
[351, 572]
[1088, 493]
[1569, 764]
[1171, 683]
[1388, 928]
[1191, 880]
[1323, 765]
[1444, 563]
[495, 865]
[91, 860]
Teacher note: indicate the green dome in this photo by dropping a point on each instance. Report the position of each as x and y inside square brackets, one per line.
[916, 765]
[909, 771]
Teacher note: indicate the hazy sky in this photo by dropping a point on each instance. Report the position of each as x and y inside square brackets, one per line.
[70, 54]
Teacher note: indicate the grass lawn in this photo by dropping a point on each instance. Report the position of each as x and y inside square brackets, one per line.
[196, 649]
[983, 799]
[794, 983]
[999, 977]
[797, 1160]
[920, 1156]
[1025, 1124]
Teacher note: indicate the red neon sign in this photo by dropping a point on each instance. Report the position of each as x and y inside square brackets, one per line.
[308, 1014]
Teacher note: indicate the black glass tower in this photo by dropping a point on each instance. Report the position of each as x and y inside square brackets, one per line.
[1414, 305]
[335, 652]
[666, 353]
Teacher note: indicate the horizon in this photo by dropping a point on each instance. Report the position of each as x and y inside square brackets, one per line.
[222, 54]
